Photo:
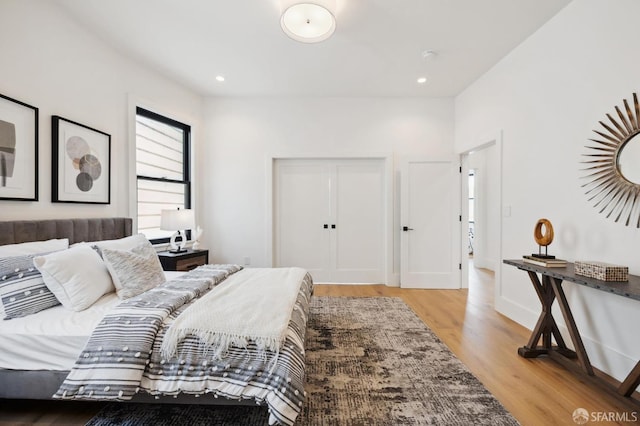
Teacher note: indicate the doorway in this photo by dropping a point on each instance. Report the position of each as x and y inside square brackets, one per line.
[481, 216]
[471, 182]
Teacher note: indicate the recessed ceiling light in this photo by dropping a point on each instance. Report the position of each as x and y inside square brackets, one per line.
[219, 78]
[422, 80]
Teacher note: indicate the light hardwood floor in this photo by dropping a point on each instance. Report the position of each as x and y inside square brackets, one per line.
[536, 391]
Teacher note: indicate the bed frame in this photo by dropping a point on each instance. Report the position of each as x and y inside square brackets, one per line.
[42, 384]
[77, 230]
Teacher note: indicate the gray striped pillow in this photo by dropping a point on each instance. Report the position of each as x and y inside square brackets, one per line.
[134, 271]
[22, 289]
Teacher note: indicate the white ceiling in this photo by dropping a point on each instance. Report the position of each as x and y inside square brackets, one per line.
[376, 49]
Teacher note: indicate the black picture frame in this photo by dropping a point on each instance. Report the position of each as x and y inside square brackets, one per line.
[18, 150]
[80, 163]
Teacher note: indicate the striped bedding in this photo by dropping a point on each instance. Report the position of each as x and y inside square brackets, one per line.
[122, 357]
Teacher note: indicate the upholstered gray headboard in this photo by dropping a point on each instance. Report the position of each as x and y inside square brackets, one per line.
[77, 230]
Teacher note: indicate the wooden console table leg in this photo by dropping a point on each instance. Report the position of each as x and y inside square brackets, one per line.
[554, 331]
[556, 283]
[631, 382]
[546, 327]
[531, 350]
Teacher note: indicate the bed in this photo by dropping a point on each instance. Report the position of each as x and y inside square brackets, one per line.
[156, 344]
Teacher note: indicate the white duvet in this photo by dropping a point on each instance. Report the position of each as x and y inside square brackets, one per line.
[52, 339]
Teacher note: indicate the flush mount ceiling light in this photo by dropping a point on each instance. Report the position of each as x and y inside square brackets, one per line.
[308, 22]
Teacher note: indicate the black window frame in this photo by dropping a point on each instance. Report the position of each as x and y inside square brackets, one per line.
[186, 163]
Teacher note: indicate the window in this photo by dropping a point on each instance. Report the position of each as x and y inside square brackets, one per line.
[162, 169]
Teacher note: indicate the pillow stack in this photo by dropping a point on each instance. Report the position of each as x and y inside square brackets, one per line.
[38, 275]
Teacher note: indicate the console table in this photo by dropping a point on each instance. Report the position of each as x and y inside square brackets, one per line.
[548, 289]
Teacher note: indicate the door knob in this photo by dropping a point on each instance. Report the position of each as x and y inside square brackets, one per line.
[406, 228]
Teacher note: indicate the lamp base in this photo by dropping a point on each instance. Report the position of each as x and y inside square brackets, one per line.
[178, 246]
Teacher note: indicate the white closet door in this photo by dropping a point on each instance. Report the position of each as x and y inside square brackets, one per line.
[358, 188]
[430, 243]
[302, 208]
[345, 195]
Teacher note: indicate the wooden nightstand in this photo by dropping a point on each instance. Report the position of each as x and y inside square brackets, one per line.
[185, 261]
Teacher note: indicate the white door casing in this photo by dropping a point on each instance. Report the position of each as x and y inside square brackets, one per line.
[430, 211]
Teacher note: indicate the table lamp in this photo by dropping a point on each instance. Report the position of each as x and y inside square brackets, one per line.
[177, 220]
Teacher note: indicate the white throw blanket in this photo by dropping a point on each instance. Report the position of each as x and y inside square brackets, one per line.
[254, 304]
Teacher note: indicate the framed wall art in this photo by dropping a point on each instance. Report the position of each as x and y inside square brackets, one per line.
[81, 163]
[18, 150]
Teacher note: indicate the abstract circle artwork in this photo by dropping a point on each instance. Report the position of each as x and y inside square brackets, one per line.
[87, 164]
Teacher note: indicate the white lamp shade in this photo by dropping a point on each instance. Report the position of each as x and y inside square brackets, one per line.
[177, 220]
[308, 22]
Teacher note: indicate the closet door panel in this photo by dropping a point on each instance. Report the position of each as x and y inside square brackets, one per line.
[302, 208]
[358, 211]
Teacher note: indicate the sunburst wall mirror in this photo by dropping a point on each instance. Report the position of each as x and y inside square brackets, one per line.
[613, 171]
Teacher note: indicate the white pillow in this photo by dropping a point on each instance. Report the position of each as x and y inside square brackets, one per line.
[126, 243]
[34, 247]
[134, 271]
[77, 276]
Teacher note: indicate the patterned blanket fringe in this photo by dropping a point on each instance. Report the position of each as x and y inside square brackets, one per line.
[205, 393]
[216, 345]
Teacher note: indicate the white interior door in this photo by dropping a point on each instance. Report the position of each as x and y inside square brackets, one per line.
[430, 253]
[358, 188]
[302, 208]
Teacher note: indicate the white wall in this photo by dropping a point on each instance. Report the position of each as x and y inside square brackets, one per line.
[547, 96]
[241, 133]
[51, 62]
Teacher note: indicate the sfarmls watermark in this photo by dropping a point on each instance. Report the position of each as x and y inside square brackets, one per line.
[582, 416]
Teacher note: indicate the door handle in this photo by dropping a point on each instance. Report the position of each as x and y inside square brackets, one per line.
[406, 228]
[333, 226]
[325, 226]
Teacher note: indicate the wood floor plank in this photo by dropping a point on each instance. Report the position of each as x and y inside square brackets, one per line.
[465, 320]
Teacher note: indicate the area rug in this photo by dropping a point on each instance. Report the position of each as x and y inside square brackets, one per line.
[370, 361]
